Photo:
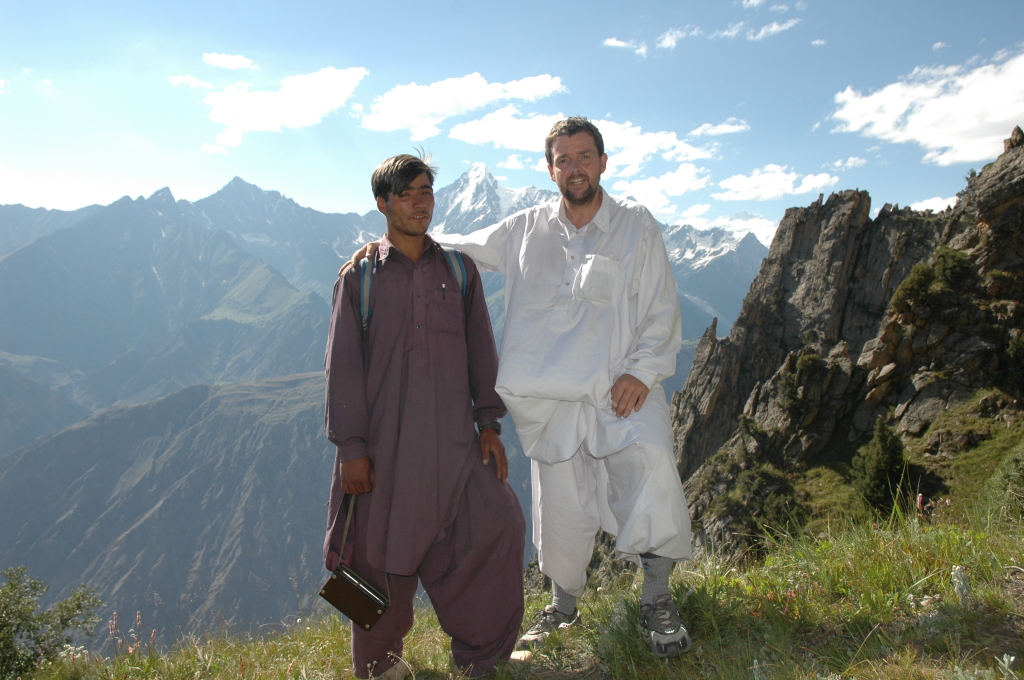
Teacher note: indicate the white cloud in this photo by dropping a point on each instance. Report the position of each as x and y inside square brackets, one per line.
[542, 165]
[851, 162]
[638, 48]
[957, 115]
[655, 192]
[819, 42]
[513, 162]
[47, 82]
[781, 9]
[938, 46]
[213, 148]
[937, 204]
[728, 127]
[421, 108]
[771, 29]
[506, 129]
[731, 32]
[232, 61]
[629, 148]
[695, 211]
[752, 3]
[800, 5]
[188, 80]
[672, 36]
[3, 84]
[770, 183]
[302, 101]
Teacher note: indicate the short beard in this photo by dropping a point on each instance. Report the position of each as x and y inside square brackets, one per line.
[583, 200]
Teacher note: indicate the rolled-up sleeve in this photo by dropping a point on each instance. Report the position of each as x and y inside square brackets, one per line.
[659, 330]
[345, 414]
[483, 357]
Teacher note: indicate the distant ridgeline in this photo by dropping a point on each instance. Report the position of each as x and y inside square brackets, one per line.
[161, 389]
[905, 317]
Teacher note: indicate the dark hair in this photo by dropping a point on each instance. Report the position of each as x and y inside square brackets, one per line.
[396, 174]
[569, 127]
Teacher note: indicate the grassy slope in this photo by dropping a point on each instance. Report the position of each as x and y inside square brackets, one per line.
[858, 596]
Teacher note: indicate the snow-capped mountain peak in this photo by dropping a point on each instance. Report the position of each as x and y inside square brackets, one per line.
[476, 200]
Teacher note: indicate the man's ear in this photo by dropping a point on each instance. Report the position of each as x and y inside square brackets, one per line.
[382, 205]
[551, 171]
[604, 162]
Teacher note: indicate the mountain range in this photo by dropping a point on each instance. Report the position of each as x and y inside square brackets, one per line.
[160, 359]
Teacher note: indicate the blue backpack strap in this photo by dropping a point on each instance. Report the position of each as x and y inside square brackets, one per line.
[458, 267]
[367, 267]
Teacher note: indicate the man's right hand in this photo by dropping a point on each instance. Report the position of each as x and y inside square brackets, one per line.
[363, 253]
[357, 476]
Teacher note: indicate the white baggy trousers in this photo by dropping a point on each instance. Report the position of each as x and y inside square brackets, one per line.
[634, 494]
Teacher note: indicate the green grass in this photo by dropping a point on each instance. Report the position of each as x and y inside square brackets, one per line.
[860, 600]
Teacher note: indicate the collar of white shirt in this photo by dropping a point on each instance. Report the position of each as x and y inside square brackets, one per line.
[602, 220]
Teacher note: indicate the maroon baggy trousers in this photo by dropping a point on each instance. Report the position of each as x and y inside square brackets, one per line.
[473, 575]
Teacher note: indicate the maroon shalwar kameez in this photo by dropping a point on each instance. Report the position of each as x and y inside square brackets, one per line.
[436, 512]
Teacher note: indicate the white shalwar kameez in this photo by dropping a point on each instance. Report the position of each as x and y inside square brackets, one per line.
[582, 307]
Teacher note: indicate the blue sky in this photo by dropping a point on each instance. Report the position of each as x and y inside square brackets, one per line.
[715, 113]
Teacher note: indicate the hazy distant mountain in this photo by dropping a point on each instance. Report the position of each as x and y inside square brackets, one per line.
[20, 225]
[144, 302]
[203, 507]
[305, 245]
[713, 270]
[29, 410]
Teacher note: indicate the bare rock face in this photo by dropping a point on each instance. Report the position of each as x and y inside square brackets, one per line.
[828, 278]
[848, 320]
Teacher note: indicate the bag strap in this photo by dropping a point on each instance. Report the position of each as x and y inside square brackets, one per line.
[367, 270]
[344, 539]
[457, 265]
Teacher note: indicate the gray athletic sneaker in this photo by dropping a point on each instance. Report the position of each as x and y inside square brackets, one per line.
[665, 630]
[545, 621]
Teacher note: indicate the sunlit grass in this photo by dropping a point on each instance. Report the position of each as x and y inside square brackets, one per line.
[860, 600]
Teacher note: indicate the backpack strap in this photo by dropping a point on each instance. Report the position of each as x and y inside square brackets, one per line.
[458, 266]
[368, 267]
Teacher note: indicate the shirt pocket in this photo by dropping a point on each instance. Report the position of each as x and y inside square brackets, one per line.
[446, 313]
[600, 279]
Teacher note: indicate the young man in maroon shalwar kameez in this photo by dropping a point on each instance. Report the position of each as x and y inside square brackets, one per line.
[432, 501]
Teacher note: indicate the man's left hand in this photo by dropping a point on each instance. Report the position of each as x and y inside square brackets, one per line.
[490, 445]
[628, 395]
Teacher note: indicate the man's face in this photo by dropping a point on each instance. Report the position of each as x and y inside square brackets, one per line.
[576, 168]
[410, 211]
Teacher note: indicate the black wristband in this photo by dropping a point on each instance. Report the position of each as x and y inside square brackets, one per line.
[496, 426]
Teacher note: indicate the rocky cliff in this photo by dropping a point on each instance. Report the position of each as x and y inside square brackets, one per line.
[851, 318]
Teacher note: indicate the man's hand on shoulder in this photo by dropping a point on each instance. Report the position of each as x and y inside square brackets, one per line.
[363, 253]
[490, 445]
[628, 395]
[357, 476]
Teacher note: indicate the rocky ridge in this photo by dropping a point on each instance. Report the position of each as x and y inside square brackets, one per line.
[852, 318]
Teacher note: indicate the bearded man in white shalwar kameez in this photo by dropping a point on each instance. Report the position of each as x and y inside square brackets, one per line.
[592, 327]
